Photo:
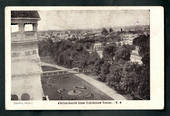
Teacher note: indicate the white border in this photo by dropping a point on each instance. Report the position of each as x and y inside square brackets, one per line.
[156, 65]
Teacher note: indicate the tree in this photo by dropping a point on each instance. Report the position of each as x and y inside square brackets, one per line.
[110, 30]
[45, 47]
[115, 75]
[97, 66]
[70, 54]
[129, 82]
[93, 57]
[104, 71]
[105, 32]
[109, 52]
[144, 50]
[123, 53]
[146, 59]
[143, 42]
[79, 47]
[136, 80]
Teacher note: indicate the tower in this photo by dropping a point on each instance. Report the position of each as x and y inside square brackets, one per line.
[25, 60]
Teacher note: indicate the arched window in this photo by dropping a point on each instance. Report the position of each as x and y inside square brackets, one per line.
[25, 96]
[14, 97]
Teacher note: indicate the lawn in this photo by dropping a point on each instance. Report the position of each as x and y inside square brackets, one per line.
[47, 68]
[70, 87]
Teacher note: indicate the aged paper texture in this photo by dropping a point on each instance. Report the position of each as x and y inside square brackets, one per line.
[84, 58]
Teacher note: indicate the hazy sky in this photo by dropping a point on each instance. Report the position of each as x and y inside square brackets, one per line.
[87, 19]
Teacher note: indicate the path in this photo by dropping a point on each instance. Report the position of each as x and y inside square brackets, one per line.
[102, 87]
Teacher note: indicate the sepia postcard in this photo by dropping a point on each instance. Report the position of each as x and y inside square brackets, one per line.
[84, 58]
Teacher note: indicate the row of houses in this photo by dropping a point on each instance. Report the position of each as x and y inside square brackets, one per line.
[65, 35]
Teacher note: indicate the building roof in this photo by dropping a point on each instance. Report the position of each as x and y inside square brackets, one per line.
[25, 14]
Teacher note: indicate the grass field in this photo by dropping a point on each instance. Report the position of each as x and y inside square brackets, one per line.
[47, 68]
[58, 88]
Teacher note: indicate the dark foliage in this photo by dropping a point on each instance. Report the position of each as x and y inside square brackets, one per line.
[105, 31]
[120, 73]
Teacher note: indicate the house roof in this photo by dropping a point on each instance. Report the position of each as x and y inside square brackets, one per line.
[25, 14]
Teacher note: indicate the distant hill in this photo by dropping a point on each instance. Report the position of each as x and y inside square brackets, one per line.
[116, 28]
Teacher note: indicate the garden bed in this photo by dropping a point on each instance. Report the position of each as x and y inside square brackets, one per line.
[47, 68]
[70, 87]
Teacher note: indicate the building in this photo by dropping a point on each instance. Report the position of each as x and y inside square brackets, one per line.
[26, 69]
[127, 39]
[135, 57]
[98, 47]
